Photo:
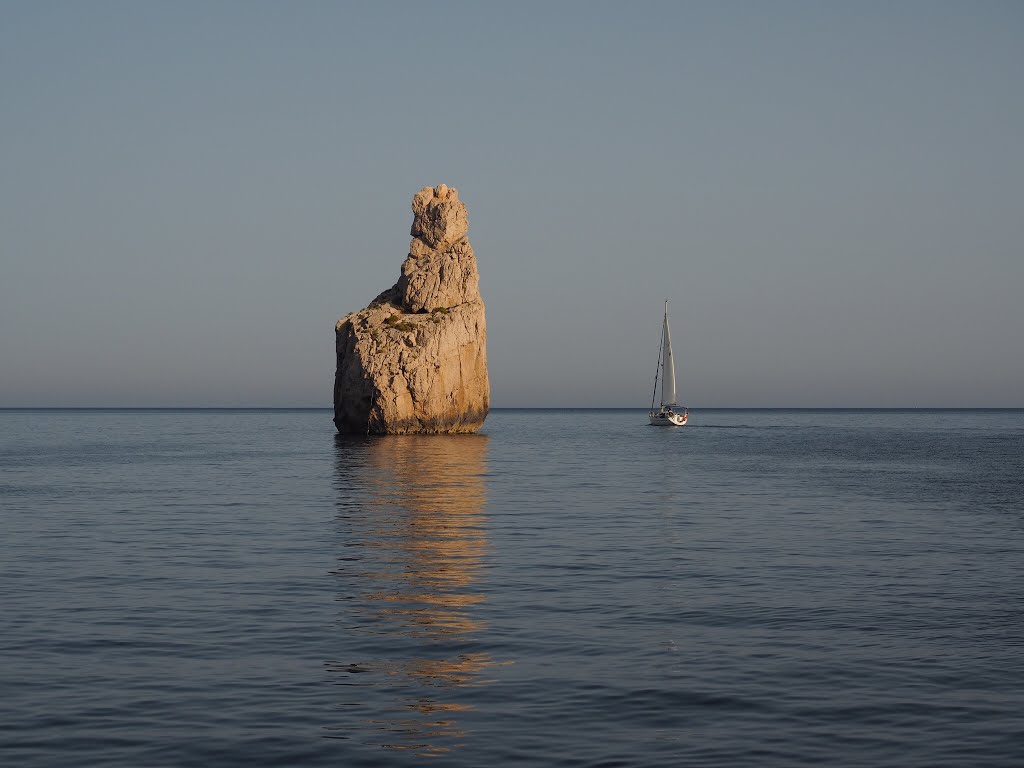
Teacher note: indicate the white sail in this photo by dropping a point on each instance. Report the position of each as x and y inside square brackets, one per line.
[667, 415]
[668, 380]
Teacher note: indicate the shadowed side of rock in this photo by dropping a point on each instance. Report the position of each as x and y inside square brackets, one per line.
[415, 360]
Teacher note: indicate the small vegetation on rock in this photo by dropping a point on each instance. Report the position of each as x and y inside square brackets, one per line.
[396, 322]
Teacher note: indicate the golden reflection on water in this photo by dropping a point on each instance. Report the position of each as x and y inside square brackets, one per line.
[410, 569]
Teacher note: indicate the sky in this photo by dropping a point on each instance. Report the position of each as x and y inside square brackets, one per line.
[830, 195]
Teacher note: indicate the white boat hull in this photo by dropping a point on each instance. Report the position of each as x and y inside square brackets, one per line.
[667, 418]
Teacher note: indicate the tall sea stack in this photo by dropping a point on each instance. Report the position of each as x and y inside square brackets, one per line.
[415, 360]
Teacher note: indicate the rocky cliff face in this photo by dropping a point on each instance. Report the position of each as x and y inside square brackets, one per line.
[415, 360]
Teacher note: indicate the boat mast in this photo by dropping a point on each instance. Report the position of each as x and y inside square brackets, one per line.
[668, 377]
[657, 370]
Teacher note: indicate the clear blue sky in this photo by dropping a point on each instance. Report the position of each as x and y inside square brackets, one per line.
[831, 195]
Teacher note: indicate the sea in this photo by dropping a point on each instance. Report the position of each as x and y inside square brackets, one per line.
[565, 588]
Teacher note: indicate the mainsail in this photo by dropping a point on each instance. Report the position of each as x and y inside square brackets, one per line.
[668, 379]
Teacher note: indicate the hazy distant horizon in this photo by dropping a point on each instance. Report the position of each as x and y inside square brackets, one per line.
[330, 409]
[828, 194]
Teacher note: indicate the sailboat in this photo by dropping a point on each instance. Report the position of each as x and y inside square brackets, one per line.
[669, 414]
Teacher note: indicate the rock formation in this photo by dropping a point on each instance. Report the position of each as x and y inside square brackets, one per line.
[415, 359]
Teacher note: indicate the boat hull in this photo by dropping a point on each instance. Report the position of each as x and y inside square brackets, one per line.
[668, 418]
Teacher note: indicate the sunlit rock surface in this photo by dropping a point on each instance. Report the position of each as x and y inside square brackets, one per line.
[415, 360]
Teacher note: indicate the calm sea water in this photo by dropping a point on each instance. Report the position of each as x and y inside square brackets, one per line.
[570, 588]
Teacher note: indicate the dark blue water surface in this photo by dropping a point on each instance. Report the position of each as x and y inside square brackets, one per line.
[568, 588]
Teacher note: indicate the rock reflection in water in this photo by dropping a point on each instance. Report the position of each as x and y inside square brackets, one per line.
[411, 510]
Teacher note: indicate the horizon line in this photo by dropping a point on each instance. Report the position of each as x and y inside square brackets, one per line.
[519, 408]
